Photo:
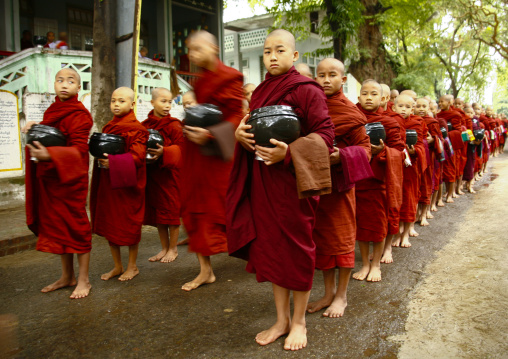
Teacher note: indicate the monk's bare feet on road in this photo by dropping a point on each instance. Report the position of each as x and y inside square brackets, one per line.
[430, 215]
[460, 192]
[433, 208]
[316, 306]
[336, 309]
[440, 203]
[112, 273]
[455, 195]
[129, 274]
[424, 221]
[270, 335]
[297, 338]
[82, 290]
[448, 200]
[362, 273]
[387, 258]
[405, 242]
[396, 242]
[183, 241]
[170, 256]
[61, 283]
[413, 233]
[158, 256]
[374, 274]
[200, 280]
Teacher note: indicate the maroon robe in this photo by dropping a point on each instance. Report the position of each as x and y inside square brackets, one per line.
[117, 213]
[268, 224]
[56, 190]
[450, 166]
[162, 204]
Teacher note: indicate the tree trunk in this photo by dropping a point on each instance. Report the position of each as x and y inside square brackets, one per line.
[338, 41]
[103, 60]
[374, 62]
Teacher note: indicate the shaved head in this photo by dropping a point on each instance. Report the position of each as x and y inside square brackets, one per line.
[156, 92]
[68, 71]
[386, 89]
[125, 92]
[202, 35]
[375, 83]
[286, 36]
[448, 98]
[403, 98]
[332, 62]
[304, 70]
[410, 93]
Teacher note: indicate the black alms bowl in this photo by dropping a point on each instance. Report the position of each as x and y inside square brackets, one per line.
[101, 143]
[154, 138]
[203, 115]
[40, 40]
[48, 136]
[376, 132]
[479, 135]
[411, 137]
[450, 126]
[444, 132]
[278, 122]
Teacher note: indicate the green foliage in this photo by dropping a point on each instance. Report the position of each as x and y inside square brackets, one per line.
[501, 92]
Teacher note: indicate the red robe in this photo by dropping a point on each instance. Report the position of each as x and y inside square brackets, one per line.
[429, 177]
[412, 174]
[204, 178]
[268, 224]
[335, 229]
[379, 199]
[450, 166]
[162, 204]
[117, 214]
[56, 190]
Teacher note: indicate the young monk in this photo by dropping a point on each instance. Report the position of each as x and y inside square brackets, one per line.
[378, 200]
[450, 165]
[162, 201]
[57, 186]
[385, 99]
[393, 95]
[468, 175]
[248, 89]
[117, 198]
[335, 229]
[404, 107]
[208, 155]
[189, 99]
[271, 212]
[438, 164]
[304, 70]
[458, 106]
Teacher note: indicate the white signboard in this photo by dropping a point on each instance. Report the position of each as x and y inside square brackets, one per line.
[10, 142]
[143, 108]
[34, 105]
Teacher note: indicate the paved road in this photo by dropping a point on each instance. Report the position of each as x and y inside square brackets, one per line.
[151, 317]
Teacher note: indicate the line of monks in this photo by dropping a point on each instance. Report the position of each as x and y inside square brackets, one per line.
[302, 207]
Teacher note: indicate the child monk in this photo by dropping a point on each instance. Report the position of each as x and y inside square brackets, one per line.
[335, 229]
[468, 175]
[189, 99]
[450, 165]
[404, 107]
[385, 99]
[162, 206]
[57, 186]
[248, 89]
[270, 219]
[117, 198]
[208, 156]
[437, 195]
[304, 70]
[378, 198]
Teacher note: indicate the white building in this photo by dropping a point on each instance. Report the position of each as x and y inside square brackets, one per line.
[243, 50]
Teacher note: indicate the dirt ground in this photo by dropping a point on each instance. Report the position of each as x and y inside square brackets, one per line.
[460, 309]
[449, 305]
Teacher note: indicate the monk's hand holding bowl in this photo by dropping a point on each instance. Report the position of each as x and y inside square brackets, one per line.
[335, 157]
[156, 153]
[272, 155]
[376, 149]
[104, 162]
[243, 137]
[28, 126]
[198, 135]
[411, 150]
[39, 152]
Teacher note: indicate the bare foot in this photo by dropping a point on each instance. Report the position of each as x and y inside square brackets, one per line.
[460, 192]
[82, 290]
[413, 233]
[336, 309]
[129, 274]
[297, 338]
[61, 283]
[433, 208]
[374, 274]
[112, 273]
[362, 273]
[170, 256]
[158, 256]
[405, 243]
[200, 280]
[396, 242]
[316, 306]
[471, 190]
[270, 335]
[449, 200]
[183, 241]
[424, 222]
[387, 258]
[440, 203]
[455, 195]
[430, 215]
